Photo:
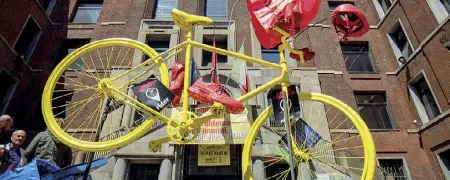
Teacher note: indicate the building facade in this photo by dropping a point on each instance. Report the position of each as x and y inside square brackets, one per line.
[31, 33]
[400, 62]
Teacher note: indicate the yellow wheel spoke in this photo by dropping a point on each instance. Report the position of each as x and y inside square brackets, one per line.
[73, 105]
[88, 69]
[101, 61]
[82, 74]
[124, 56]
[89, 118]
[80, 84]
[93, 64]
[98, 117]
[117, 57]
[325, 148]
[94, 96]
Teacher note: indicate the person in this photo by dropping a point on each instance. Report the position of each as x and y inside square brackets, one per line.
[15, 152]
[6, 123]
[46, 146]
[4, 164]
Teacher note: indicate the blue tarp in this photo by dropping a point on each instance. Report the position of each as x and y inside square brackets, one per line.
[31, 170]
[40, 169]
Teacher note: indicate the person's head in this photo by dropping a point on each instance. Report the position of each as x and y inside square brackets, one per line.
[2, 152]
[18, 138]
[6, 122]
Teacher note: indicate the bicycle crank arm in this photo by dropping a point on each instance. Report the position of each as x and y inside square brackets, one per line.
[156, 145]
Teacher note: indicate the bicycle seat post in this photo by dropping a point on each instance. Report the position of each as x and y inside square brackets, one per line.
[187, 74]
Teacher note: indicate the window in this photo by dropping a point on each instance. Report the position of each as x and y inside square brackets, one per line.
[48, 5]
[399, 42]
[382, 6]
[424, 99]
[72, 45]
[394, 169]
[144, 171]
[6, 89]
[444, 161]
[373, 109]
[163, 9]
[159, 47]
[28, 39]
[357, 57]
[221, 42]
[77, 64]
[216, 9]
[271, 55]
[440, 9]
[446, 4]
[333, 4]
[87, 12]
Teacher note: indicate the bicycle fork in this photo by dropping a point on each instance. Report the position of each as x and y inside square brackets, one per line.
[287, 121]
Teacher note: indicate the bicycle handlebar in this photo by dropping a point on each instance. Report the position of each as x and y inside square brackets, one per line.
[286, 44]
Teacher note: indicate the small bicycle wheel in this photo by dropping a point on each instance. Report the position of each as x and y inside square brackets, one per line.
[94, 118]
[329, 140]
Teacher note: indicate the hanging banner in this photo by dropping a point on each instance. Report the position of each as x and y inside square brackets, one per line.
[232, 129]
[213, 155]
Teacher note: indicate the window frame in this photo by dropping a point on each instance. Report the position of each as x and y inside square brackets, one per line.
[369, 54]
[34, 44]
[86, 2]
[379, 8]
[51, 4]
[11, 92]
[385, 104]
[205, 42]
[441, 163]
[338, 3]
[159, 50]
[74, 44]
[164, 16]
[417, 103]
[213, 16]
[256, 50]
[220, 28]
[438, 9]
[272, 50]
[405, 165]
[70, 50]
[396, 50]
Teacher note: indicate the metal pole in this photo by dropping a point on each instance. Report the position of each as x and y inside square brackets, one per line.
[287, 125]
[97, 136]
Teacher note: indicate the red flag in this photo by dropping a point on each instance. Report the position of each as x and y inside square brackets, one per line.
[246, 86]
[292, 16]
[214, 71]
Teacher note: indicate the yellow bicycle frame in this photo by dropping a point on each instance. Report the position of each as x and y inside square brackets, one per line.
[188, 45]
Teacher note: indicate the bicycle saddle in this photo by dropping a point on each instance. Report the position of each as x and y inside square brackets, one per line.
[185, 20]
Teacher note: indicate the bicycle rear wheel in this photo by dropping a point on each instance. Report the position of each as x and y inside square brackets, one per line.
[92, 119]
[329, 139]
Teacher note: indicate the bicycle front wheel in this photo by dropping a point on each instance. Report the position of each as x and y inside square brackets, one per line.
[329, 140]
[92, 118]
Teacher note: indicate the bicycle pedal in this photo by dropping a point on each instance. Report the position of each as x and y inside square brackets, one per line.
[218, 109]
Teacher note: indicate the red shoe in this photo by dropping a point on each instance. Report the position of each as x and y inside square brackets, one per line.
[177, 82]
[210, 92]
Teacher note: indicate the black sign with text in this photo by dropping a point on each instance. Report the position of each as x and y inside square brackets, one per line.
[153, 93]
[275, 96]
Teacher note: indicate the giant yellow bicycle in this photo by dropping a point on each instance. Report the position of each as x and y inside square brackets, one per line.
[98, 77]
